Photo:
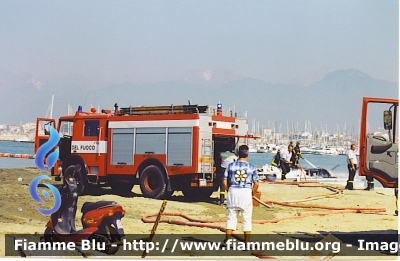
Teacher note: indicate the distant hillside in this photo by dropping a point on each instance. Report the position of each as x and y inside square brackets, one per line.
[209, 77]
[335, 99]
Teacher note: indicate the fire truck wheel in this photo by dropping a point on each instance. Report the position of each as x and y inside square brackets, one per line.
[49, 235]
[112, 238]
[153, 182]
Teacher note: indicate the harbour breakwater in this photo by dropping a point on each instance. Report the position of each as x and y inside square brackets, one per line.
[18, 150]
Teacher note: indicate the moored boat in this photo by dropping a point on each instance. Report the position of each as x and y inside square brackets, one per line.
[326, 151]
[272, 173]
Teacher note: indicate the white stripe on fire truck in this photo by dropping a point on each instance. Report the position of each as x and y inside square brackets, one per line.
[88, 146]
[224, 125]
[153, 124]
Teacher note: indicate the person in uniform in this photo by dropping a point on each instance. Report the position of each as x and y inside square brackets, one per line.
[227, 157]
[276, 160]
[297, 154]
[293, 158]
[351, 166]
[286, 161]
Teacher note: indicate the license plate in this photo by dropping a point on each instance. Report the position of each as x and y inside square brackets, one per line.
[119, 224]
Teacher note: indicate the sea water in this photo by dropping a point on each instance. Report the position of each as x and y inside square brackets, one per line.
[15, 147]
[336, 165]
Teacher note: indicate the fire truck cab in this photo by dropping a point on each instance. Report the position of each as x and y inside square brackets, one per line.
[161, 148]
[379, 153]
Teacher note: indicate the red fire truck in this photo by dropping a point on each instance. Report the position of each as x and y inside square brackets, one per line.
[379, 153]
[161, 148]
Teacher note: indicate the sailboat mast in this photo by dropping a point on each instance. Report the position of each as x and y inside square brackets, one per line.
[51, 106]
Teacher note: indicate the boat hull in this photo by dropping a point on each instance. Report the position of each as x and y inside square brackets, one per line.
[272, 173]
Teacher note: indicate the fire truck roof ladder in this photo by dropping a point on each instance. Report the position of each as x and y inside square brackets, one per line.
[172, 109]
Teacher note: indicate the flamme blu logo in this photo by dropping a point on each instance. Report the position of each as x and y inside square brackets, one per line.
[50, 161]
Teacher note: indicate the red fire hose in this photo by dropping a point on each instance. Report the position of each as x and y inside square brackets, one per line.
[194, 222]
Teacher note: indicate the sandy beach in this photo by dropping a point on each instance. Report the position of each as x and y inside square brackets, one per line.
[19, 215]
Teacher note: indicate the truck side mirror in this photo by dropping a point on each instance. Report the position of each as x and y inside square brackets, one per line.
[387, 120]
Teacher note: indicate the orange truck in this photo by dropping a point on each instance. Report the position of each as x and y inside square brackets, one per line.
[161, 148]
[378, 156]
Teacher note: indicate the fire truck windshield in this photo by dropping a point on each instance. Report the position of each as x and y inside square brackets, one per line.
[66, 128]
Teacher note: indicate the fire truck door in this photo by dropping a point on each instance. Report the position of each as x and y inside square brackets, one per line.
[382, 152]
[43, 131]
[382, 156]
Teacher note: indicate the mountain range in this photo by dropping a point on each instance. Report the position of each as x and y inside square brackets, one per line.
[333, 101]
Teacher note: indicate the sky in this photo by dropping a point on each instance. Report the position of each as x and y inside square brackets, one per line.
[277, 41]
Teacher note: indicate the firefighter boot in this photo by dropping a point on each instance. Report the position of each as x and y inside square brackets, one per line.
[221, 195]
[370, 186]
[349, 185]
[283, 176]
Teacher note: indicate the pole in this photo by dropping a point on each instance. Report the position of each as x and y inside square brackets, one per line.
[153, 231]
[51, 108]
[302, 173]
